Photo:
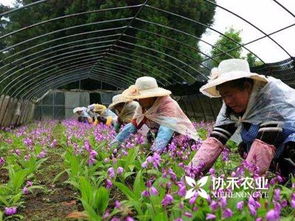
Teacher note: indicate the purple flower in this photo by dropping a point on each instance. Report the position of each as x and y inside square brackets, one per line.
[193, 199]
[277, 193]
[188, 214]
[29, 183]
[10, 211]
[178, 219]
[212, 171]
[292, 203]
[172, 174]
[109, 184]
[253, 202]
[26, 190]
[54, 143]
[145, 193]
[106, 214]
[42, 154]
[167, 200]
[252, 209]
[117, 204]
[111, 172]
[91, 161]
[28, 142]
[210, 216]
[87, 146]
[284, 203]
[225, 154]
[181, 165]
[278, 206]
[154, 191]
[156, 160]
[93, 153]
[2, 161]
[17, 152]
[182, 190]
[128, 218]
[120, 170]
[272, 215]
[181, 205]
[214, 205]
[280, 179]
[240, 205]
[227, 213]
[223, 202]
[144, 164]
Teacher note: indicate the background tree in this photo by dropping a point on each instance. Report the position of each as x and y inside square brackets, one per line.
[253, 61]
[228, 46]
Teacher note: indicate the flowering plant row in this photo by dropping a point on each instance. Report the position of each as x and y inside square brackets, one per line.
[132, 183]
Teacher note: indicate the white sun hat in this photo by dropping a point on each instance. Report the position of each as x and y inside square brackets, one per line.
[117, 99]
[76, 109]
[145, 87]
[229, 70]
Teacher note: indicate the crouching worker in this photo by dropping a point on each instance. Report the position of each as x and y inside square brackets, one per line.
[158, 111]
[101, 114]
[265, 110]
[124, 108]
[83, 115]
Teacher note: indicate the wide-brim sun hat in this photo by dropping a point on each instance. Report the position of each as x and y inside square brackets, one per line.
[117, 99]
[229, 70]
[145, 87]
[99, 108]
[76, 109]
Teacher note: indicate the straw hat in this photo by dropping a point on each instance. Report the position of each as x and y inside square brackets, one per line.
[99, 108]
[145, 87]
[229, 70]
[76, 109]
[117, 99]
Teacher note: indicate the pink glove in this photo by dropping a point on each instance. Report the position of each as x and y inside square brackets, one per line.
[208, 153]
[261, 155]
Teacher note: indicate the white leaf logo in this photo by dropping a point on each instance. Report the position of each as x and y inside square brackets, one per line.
[201, 182]
[196, 187]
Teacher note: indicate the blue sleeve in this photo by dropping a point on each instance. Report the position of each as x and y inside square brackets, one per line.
[85, 114]
[163, 137]
[126, 132]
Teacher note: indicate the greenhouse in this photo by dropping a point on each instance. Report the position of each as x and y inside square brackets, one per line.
[147, 110]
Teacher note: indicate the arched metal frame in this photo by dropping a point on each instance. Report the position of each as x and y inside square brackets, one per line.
[36, 72]
[61, 81]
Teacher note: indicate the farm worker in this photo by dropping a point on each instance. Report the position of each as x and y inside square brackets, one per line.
[83, 115]
[100, 113]
[124, 108]
[158, 111]
[263, 107]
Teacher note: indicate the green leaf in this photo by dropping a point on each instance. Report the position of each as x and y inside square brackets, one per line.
[161, 217]
[103, 199]
[58, 176]
[138, 185]
[125, 190]
[85, 189]
[128, 174]
[4, 201]
[90, 211]
[130, 158]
